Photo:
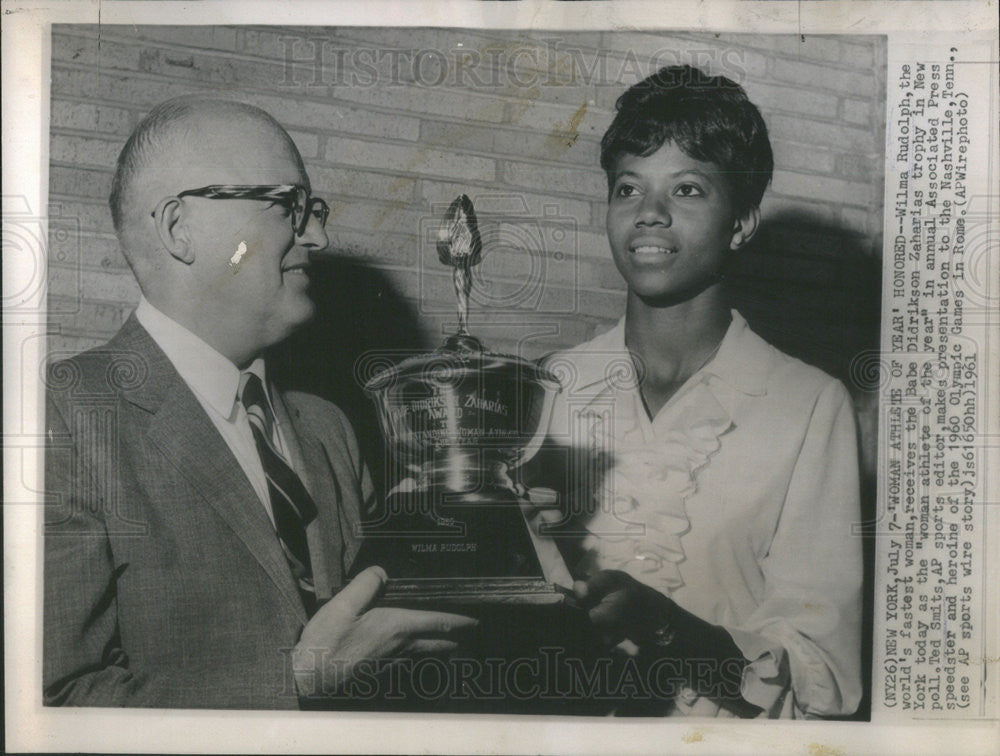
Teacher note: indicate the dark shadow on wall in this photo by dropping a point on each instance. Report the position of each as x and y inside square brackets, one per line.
[814, 291]
[357, 311]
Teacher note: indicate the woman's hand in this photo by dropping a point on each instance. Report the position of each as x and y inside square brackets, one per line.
[623, 608]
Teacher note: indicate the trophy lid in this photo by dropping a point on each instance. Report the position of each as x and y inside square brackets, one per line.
[457, 359]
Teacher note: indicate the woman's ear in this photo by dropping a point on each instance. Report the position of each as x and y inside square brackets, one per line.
[744, 228]
[170, 227]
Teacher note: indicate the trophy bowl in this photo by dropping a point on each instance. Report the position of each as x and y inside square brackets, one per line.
[460, 418]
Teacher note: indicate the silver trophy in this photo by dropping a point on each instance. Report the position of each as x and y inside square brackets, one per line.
[461, 420]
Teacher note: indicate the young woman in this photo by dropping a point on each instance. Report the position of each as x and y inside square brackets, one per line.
[716, 478]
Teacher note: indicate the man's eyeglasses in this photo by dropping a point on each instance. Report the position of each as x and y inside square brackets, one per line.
[294, 198]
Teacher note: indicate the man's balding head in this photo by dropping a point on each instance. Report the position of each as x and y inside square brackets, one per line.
[232, 270]
[178, 142]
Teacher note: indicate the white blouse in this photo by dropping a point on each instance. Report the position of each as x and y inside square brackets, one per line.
[739, 500]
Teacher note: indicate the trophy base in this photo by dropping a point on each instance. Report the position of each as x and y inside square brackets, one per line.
[465, 592]
[461, 550]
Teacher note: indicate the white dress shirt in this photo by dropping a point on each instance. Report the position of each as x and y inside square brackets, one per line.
[737, 500]
[215, 382]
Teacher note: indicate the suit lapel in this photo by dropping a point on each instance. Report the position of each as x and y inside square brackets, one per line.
[182, 431]
[326, 540]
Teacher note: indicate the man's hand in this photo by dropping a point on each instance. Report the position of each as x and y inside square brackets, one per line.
[346, 631]
[621, 607]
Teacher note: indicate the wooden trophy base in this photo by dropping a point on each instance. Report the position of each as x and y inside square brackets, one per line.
[462, 550]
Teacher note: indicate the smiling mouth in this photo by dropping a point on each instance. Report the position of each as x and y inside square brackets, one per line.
[650, 249]
[298, 269]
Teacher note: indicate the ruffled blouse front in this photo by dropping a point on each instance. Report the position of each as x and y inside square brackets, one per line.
[641, 520]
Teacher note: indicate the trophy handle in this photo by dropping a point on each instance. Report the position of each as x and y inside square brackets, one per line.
[542, 430]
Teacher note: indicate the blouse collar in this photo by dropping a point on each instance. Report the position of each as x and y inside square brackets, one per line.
[741, 363]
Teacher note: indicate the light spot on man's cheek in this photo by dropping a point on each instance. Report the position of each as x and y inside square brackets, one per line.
[234, 261]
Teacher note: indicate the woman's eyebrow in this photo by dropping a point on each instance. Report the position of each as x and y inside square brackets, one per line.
[694, 172]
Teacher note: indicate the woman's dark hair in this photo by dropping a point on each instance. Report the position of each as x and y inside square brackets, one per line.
[710, 118]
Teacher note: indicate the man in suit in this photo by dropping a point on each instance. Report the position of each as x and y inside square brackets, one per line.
[200, 522]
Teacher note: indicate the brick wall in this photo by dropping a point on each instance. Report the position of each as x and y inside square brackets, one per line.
[394, 123]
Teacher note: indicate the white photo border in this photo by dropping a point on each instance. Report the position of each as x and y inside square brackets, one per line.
[30, 727]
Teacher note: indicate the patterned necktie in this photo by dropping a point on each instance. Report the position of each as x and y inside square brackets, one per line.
[291, 504]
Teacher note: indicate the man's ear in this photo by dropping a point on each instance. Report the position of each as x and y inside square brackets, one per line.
[170, 227]
[744, 228]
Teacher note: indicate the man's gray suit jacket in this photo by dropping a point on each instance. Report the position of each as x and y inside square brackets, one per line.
[164, 582]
